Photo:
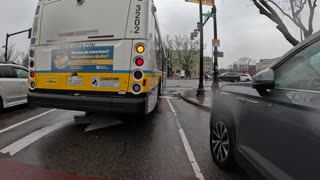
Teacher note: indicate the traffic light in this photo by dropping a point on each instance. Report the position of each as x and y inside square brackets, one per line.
[29, 33]
[198, 25]
[191, 36]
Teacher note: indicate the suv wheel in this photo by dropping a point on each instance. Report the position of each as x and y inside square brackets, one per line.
[235, 80]
[221, 144]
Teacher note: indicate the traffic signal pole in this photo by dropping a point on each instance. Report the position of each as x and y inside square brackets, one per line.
[201, 91]
[7, 41]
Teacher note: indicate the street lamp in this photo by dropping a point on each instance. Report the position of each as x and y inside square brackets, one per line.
[201, 91]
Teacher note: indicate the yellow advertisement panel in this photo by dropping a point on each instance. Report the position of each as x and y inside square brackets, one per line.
[204, 2]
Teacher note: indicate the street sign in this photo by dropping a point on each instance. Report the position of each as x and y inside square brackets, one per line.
[218, 54]
[204, 2]
[216, 42]
[208, 14]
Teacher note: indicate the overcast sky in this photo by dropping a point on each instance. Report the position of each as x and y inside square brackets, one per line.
[242, 30]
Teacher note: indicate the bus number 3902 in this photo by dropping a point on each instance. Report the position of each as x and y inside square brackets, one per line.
[137, 19]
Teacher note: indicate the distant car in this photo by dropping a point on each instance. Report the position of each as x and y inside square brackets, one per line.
[229, 76]
[271, 126]
[245, 78]
[13, 85]
[182, 74]
[207, 77]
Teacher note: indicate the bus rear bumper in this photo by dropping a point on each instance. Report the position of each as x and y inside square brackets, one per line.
[91, 104]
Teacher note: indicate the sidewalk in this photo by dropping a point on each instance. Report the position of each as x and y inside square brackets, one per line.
[203, 102]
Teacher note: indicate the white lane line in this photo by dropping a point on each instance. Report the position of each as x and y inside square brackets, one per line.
[187, 146]
[33, 137]
[26, 121]
[171, 107]
[166, 97]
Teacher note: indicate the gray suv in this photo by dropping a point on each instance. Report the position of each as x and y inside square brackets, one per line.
[229, 76]
[271, 126]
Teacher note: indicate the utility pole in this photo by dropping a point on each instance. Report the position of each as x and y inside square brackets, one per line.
[201, 91]
[215, 54]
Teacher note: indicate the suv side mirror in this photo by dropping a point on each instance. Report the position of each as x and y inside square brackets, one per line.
[264, 80]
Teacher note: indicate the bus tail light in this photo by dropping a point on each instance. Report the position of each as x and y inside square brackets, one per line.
[32, 85]
[136, 88]
[31, 64]
[139, 61]
[32, 74]
[140, 48]
[138, 75]
[31, 53]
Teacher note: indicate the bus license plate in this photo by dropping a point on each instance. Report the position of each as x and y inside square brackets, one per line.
[74, 81]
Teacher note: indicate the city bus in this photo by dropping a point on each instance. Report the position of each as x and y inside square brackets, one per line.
[96, 55]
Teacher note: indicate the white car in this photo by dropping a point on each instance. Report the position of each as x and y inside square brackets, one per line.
[245, 78]
[13, 85]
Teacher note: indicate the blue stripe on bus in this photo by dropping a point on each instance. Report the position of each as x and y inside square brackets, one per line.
[114, 71]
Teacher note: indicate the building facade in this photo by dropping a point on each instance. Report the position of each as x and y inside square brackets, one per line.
[207, 65]
[265, 63]
[244, 68]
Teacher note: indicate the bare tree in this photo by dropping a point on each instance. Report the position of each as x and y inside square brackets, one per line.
[13, 54]
[24, 59]
[168, 46]
[186, 52]
[293, 10]
[243, 63]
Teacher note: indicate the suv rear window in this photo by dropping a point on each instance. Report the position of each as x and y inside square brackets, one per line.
[7, 72]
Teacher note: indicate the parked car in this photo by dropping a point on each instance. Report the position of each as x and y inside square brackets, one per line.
[271, 127]
[229, 76]
[245, 78]
[13, 85]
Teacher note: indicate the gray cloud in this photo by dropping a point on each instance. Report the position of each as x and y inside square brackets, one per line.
[242, 30]
[16, 15]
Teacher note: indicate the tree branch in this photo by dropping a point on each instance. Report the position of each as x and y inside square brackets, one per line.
[312, 7]
[264, 8]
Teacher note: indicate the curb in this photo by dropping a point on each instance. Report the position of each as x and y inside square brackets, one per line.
[190, 101]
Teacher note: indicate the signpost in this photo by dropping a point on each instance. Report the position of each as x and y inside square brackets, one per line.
[216, 42]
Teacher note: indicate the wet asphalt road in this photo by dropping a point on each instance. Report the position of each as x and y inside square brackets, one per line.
[137, 148]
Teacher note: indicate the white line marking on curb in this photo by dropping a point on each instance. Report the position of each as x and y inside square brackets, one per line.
[187, 147]
[33, 137]
[25, 121]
